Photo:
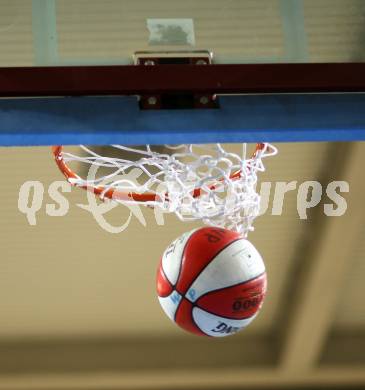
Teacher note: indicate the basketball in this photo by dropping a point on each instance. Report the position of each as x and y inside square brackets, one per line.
[211, 282]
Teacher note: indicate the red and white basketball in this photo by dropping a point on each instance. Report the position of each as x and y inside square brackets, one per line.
[211, 282]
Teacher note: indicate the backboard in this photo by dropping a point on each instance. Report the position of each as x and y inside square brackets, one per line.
[79, 32]
[269, 54]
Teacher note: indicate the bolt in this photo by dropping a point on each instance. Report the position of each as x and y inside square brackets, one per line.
[201, 62]
[204, 100]
[149, 62]
[152, 100]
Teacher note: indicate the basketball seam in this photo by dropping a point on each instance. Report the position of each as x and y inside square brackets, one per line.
[192, 316]
[180, 266]
[178, 275]
[178, 305]
[168, 281]
[208, 262]
[221, 316]
[232, 285]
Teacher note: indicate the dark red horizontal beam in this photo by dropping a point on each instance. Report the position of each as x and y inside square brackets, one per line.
[220, 79]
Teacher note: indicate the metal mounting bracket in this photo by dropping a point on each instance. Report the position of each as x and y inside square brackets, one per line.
[177, 99]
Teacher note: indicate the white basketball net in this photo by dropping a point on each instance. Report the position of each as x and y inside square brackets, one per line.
[196, 182]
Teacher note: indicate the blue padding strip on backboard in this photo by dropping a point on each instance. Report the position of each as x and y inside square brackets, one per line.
[249, 118]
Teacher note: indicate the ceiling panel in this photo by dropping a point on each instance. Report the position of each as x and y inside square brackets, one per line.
[67, 276]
